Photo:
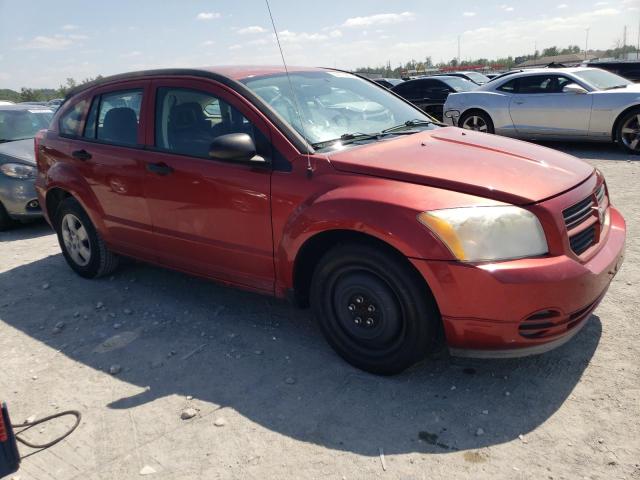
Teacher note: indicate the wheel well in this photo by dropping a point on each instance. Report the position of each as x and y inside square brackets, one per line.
[614, 130]
[314, 249]
[475, 110]
[55, 196]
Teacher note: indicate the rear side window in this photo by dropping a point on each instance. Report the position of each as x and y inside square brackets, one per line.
[71, 121]
[509, 87]
[114, 117]
[187, 121]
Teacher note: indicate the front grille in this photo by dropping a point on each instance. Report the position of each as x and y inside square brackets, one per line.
[582, 221]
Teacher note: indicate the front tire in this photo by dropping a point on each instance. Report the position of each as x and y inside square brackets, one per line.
[628, 132]
[81, 244]
[478, 121]
[374, 309]
[6, 222]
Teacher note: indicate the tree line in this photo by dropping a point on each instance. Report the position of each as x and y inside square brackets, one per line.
[43, 94]
[502, 63]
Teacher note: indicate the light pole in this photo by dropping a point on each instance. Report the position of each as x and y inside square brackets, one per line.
[586, 42]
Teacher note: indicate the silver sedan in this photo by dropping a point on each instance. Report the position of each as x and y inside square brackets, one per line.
[553, 104]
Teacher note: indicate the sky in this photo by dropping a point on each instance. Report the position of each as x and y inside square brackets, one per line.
[42, 42]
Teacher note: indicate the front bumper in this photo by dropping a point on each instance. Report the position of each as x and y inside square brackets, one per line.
[494, 310]
[18, 196]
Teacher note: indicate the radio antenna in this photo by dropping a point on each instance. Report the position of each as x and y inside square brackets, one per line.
[293, 92]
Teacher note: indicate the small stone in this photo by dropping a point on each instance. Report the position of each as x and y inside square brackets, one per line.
[117, 325]
[522, 438]
[485, 412]
[147, 470]
[258, 352]
[290, 380]
[157, 364]
[507, 394]
[35, 377]
[601, 440]
[60, 325]
[188, 413]
[479, 432]
[189, 397]
[115, 369]
[45, 286]
[220, 422]
[112, 315]
[629, 283]
[31, 419]
[99, 305]
[453, 388]
[127, 311]
[76, 314]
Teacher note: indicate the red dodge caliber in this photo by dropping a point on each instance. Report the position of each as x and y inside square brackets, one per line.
[322, 187]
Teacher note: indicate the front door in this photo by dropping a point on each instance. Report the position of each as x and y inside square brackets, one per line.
[210, 217]
[540, 107]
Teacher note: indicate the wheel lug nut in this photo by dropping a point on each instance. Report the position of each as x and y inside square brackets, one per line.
[351, 307]
[371, 309]
[357, 320]
[369, 322]
[359, 299]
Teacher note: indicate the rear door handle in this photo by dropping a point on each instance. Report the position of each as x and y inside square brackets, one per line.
[160, 168]
[518, 102]
[81, 155]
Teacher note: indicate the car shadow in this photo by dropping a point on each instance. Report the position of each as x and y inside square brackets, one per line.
[25, 231]
[591, 150]
[179, 335]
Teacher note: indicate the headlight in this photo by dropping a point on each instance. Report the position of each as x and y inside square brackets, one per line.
[477, 234]
[18, 170]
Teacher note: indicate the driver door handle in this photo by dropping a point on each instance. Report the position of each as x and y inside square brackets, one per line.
[160, 168]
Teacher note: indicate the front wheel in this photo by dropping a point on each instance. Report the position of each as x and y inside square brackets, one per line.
[374, 309]
[628, 134]
[81, 244]
[478, 121]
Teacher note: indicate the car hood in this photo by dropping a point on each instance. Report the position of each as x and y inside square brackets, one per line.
[19, 150]
[471, 162]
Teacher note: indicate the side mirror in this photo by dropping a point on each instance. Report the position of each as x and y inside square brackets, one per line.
[235, 147]
[573, 88]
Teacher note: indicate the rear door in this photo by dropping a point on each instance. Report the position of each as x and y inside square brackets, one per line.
[540, 107]
[210, 217]
[107, 153]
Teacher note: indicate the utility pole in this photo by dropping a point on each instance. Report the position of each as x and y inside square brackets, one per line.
[459, 50]
[638, 46]
[624, 41]
[586, 42]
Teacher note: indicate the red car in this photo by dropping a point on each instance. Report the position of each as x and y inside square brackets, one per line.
[401, 234]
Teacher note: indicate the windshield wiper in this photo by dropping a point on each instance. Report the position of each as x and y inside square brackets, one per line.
[346, 138]
[408, 124]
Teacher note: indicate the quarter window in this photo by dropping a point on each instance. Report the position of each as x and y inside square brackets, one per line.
[71, 121]
[187, 121]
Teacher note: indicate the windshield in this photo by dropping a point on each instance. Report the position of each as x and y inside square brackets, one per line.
[601, 79]
[21, 124]
[477, 77]
[459, 84]
[333, 104]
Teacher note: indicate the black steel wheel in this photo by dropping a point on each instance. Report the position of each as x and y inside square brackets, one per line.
[374, 309]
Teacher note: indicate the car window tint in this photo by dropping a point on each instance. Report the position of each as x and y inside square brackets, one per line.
[509, 87]
[71, 121]
[537, 84]
[118, 117]
[187, 121]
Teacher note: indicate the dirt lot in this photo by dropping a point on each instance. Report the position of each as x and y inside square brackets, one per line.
[273, 401]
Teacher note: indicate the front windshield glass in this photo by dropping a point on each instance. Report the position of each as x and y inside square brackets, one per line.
[601, 79]
[459, 84]
[333, 104]
[477, 77]
[22, 124]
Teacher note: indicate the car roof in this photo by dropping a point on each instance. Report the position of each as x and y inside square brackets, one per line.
[234, 73]
[24, 106]
[508, 76]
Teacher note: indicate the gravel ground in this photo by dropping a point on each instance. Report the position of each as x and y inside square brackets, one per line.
[268, 399]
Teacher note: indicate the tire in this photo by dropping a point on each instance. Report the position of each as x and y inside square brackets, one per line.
[476, 120]
[6, 222]
[374, 309]
[81, 244]
[628, 132]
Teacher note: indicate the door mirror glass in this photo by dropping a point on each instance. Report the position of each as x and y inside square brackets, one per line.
[235, 147]
[573, 88]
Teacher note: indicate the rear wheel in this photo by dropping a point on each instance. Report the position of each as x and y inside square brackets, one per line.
[81, 244]
[374, 309]
[478, 121]
[628, 134]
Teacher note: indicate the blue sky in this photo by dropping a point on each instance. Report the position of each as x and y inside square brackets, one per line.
[44, 42]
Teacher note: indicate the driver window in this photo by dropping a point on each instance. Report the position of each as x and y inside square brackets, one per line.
[187, 121]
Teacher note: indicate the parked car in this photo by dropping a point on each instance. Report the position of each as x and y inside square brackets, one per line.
[55, 103]
[388, 82]
[569, 103]
[18, 126]
[475, 77]
[430, 93]
[626, 69]
[402, 235]
[6, 102]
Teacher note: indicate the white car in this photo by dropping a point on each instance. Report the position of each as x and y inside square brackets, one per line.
[6, 102]
[553, 103]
